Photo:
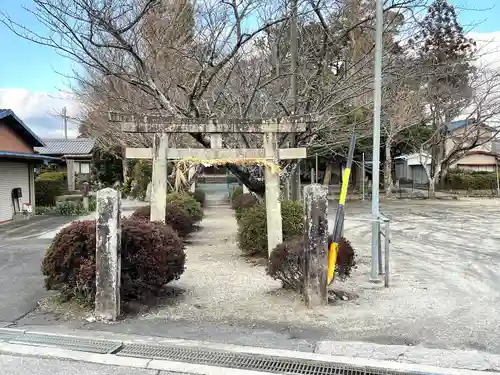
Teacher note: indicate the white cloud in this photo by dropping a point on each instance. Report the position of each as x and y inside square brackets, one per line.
[39, 110]
[488, 49]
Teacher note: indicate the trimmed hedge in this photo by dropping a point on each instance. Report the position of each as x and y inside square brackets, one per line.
[200, 196]
[188, 203]
[69, 208]
[246, 200]
[470, 180]
[286, 262]
[141, 176]
[152, 256]
[252, 226]
[176, 217]
[242, 203]
[238, 190]
[52, 176]
[46, 191]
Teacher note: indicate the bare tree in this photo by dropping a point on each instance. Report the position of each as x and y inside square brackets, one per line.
[473, 129]
[210, 58]
[403, 108]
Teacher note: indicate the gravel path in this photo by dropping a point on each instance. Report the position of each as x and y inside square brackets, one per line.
[443, 284]
[219, 284]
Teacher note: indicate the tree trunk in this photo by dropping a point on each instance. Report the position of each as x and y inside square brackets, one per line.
[434, 180]
[388, 169]
[432, 188]
[125, 169]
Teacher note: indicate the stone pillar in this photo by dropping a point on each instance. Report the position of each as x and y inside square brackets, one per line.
[216, 140]
[108, 254]
[315, 266]
[86, 203]
[273, 205]
[70, 174]
[191, 175]
[295, 183]
[148, 193]
[85, 199]
[159, 178]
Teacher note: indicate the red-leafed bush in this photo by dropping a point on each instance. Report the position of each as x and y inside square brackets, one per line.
[286, 262]
[152, 256]
[143, 212]
[176, 217]
[69, 262]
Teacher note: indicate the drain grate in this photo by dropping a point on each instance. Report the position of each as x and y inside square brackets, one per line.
[67, 342]
[246, 361]
[6, 335]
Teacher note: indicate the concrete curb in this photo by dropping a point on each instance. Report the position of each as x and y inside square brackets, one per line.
[165, 365]
[458, 359]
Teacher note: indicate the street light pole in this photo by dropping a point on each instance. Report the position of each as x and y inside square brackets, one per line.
[295, 189]
[377, 103]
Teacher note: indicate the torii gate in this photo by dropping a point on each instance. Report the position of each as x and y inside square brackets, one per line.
[160, 153]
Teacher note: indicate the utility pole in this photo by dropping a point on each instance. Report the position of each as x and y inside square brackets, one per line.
[498, 178]
[363, 174]
[377, 103]
[65, 119]
[295, 175]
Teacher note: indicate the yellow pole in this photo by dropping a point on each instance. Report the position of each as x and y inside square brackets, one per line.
[339, 217]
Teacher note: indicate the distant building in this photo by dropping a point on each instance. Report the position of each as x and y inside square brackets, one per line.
[411, 167]
[480, 158]
[17, 163]
[75, 156]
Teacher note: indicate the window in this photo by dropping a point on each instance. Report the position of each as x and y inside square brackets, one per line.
[84, 167]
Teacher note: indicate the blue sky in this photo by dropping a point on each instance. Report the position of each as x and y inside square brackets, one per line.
[28, 76]
[482, 15]
[30, 66]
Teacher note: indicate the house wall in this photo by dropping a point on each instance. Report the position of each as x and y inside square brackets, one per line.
[476, 162]
[450, 143]
[14, 175]
[418, 174]
[402, 170]
[414, 173]
[10, 141]
[460, 135]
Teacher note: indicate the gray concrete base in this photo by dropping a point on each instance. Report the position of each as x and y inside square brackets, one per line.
[9, 349]
[460, 359]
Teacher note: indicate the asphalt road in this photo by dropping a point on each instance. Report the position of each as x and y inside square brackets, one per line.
[32, 228]
[21, 254]
[21, 282]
